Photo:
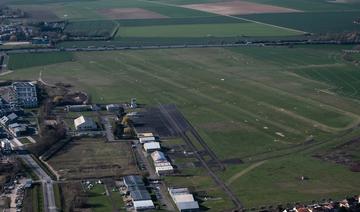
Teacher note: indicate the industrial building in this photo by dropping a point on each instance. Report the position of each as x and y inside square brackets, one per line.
[184, 201]
[139, 195]
[151, 146]
[143, 140]
[84, 124]
[161, 164]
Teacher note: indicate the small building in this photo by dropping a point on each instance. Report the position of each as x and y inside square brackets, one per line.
[151, 146]
[18, 130]
[141, 135]
[26, 94]
[143, 140]
[78, 108]
[84, 124]
[133, 103]
[143, 205]
[9, 119]
[6, 146]
[28, 183]
[113, 108]
[184, 201]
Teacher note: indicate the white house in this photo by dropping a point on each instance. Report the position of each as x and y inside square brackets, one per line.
[84, 123]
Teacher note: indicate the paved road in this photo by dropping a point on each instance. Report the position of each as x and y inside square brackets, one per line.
[47, 183]
[162, 188]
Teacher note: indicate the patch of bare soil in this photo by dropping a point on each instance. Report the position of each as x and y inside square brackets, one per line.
[130, 13]
[239, 8]
[41, 15]
[345, 154]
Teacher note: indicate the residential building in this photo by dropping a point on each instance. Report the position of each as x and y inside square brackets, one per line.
[17, 129]
[84, 124]
[6, 146]
[9, 119]
[184, 201]
[26, 94]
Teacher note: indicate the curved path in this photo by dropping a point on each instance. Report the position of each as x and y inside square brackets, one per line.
[243, 172]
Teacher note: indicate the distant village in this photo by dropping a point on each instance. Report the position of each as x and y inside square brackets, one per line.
[15, 28]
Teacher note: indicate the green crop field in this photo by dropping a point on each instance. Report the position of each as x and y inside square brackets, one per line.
[18, 61]
[321, 22]
[254, 104]
[205, 30]
[91, 28]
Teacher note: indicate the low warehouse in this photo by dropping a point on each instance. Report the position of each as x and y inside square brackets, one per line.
[184, 201]
[152, 146]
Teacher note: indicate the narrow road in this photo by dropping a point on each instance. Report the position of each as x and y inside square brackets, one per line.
[162, 188]
[47, 183]
[108, 128]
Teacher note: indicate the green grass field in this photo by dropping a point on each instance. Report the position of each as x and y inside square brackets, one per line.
[97, 199]
[321, 22]
[311, 5]
[204, 30]
[253, 103]
[18, 61]
[91, 28]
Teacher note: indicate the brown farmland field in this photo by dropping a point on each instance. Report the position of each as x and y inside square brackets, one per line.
[93, 158]
[130, 13]
[239, 8]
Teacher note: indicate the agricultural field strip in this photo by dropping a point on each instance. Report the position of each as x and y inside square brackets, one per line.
[234, 17]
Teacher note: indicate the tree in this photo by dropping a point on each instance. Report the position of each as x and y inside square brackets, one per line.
[128, 131]
[126, 121]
